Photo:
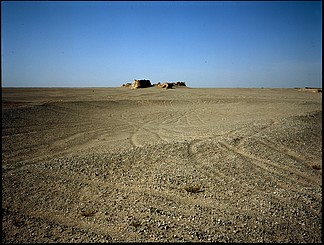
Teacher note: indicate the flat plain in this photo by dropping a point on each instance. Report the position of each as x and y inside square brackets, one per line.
[175, 165]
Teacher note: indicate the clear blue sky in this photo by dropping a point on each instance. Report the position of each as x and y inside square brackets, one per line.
[205, 44]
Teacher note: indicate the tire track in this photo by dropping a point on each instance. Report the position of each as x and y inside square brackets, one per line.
[288, 152]
[144, 128]
[151, 127]
[265, 163]
[41, 128]
[298, 185]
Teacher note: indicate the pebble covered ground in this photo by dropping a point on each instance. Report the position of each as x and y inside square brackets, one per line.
[261, 182]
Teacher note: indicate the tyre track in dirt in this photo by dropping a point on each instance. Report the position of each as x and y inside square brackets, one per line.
[146, 128]
[142, 128]
[285, 173]
[306, 158]
[273, 168]
[77, 127]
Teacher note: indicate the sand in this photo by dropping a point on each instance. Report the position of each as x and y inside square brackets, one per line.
[176, 165]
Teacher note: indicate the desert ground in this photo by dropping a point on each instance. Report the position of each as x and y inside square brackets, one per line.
[161, 165]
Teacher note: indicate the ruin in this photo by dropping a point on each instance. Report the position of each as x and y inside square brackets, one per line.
[167, 85]
[141, 83]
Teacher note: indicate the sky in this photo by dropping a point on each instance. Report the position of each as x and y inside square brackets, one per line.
[273, 44]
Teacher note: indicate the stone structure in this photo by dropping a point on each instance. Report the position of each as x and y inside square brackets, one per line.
[180, 84]
[170, 85]
[147, 83]
[141, 83]
[127, 85]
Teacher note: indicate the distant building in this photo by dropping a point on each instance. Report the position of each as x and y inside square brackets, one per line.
[171, 84]
[141, 83]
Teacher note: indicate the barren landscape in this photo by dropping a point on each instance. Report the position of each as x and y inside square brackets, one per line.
[166, 165]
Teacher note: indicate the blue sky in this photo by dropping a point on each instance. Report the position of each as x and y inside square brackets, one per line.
[205, 44]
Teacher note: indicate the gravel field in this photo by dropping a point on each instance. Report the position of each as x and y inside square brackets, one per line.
[154, 165]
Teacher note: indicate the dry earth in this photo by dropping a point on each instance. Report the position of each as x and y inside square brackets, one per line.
[121, 165]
